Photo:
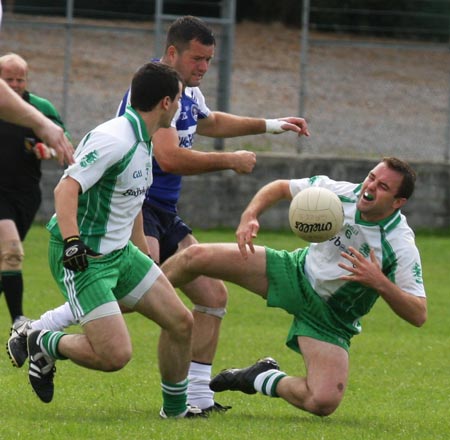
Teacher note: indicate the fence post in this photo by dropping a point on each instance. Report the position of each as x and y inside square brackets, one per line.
[67, 58]
[158, 28]
[228, 14]
[447, 134]
[303, 64]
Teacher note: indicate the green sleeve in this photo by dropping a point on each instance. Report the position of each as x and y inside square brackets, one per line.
[49, 110]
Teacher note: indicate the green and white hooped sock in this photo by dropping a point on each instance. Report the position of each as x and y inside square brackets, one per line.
[266, 383]
[49, 342]
[174, 397]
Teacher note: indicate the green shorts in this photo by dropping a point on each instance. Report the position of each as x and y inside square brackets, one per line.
[121, 276]
[289, 290]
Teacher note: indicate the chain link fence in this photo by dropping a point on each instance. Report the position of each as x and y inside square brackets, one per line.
[363, 96]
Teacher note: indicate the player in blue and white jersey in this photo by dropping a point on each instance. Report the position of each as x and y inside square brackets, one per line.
[165, 190]
[327, 287]
[190, 47]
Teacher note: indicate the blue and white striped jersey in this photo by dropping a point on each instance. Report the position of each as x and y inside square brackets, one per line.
[166, 187]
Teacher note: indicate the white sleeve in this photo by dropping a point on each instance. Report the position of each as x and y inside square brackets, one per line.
[203, 109]
[338, 187]
[408, 273]
[173, 124]
[297, 185]
[94, 155]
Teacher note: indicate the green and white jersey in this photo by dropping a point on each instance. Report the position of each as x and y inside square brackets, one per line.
[392, 240]
[114, 169]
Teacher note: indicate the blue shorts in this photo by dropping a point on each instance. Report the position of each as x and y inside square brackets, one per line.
[166, 226]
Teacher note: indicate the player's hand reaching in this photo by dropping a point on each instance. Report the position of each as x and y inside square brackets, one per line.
[75, 255]
[54, 137]
[245, 233]
[298, 125]
[364, 270]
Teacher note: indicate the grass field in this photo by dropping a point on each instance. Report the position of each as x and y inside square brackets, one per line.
[399, 385]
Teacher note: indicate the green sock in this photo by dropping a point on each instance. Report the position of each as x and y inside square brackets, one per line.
[49, 343]
[174, 397]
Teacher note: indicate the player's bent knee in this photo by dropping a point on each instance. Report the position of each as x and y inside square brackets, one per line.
[220, 293]
[11, 255]
[324, 410]
[117, 359]
[196, 255]
[209, 294]
[324, 406]
[183, 324]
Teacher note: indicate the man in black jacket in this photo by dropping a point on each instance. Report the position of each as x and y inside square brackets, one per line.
[20, 174]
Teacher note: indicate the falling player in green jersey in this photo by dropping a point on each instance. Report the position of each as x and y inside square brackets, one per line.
[327, 287]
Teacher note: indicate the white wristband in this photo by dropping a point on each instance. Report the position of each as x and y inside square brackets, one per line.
[274, 126]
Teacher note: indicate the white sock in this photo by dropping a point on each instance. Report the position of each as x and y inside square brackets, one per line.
[57, 319]
[266, 382]
[199, 393]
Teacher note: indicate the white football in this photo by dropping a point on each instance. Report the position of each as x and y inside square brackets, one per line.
[316, 214]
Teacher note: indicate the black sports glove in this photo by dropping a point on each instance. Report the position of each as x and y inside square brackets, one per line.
[75, 254]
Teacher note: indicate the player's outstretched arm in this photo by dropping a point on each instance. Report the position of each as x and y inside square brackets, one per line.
[367, 271]
[267, 196]
[54, 138]
[297, 125]
[185, 161]
[219, 124]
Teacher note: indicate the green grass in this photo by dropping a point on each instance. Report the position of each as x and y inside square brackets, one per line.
[398, 389]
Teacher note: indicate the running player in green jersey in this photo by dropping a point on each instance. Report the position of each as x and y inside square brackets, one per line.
[98, 201]
[327, 287]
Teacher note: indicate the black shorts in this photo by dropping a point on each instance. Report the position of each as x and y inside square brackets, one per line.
[21, 207]
[166, 226]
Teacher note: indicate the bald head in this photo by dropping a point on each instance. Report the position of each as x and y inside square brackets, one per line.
[14, 70]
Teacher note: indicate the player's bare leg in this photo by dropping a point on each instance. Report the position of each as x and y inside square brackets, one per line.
[322, 390]
[11, 260]
[209, 298]
[162, 305]
[219, 261]
[222, 261]
[105, 344]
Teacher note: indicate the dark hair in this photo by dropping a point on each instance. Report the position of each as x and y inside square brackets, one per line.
[185, 29]
[409, 176]
[151, 83]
